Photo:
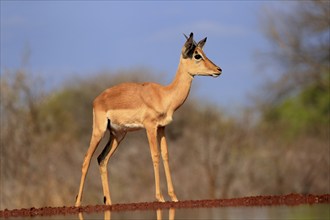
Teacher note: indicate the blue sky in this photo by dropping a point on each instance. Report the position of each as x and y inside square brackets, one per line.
[80, 38]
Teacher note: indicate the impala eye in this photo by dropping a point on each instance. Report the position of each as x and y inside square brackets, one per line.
[198, 57]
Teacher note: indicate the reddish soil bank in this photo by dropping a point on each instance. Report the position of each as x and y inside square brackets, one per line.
[289, 200]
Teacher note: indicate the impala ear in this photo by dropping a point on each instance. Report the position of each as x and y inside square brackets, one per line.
[185, 36]
[189, 39]
[201, 43]
[189, 46]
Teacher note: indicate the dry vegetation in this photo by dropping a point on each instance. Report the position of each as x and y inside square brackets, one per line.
[44, 136]
[43, 142]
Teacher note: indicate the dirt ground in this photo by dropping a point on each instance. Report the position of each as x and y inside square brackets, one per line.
[289, 200]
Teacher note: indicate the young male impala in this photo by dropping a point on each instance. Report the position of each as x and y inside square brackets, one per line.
[132, 106]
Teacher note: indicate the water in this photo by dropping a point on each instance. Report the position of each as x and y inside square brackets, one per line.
[301, 212]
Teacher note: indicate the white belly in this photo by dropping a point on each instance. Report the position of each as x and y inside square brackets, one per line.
[126, 127]
[124, 120]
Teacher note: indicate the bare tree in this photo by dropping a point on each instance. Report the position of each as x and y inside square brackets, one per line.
[20, 128]
[300, 47]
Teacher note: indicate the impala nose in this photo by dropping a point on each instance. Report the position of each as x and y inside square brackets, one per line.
[219, 69]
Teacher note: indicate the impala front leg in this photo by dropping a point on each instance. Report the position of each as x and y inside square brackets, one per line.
[163, 147]
[152, 138]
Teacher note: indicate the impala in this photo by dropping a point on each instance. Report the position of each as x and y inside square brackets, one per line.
[132, 106]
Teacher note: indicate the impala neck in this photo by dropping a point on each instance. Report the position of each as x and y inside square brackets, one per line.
[180, 87]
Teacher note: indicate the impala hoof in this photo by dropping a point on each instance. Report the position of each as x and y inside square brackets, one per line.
[78, 203]
[106, 201]
[173, 196]
[175, 200]
[160, 198]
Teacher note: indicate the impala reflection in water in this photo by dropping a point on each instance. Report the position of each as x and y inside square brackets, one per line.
[159, 214]
[306, 212]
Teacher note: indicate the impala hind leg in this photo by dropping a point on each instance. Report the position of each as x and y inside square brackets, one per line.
[103, 160]
[99, 127]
